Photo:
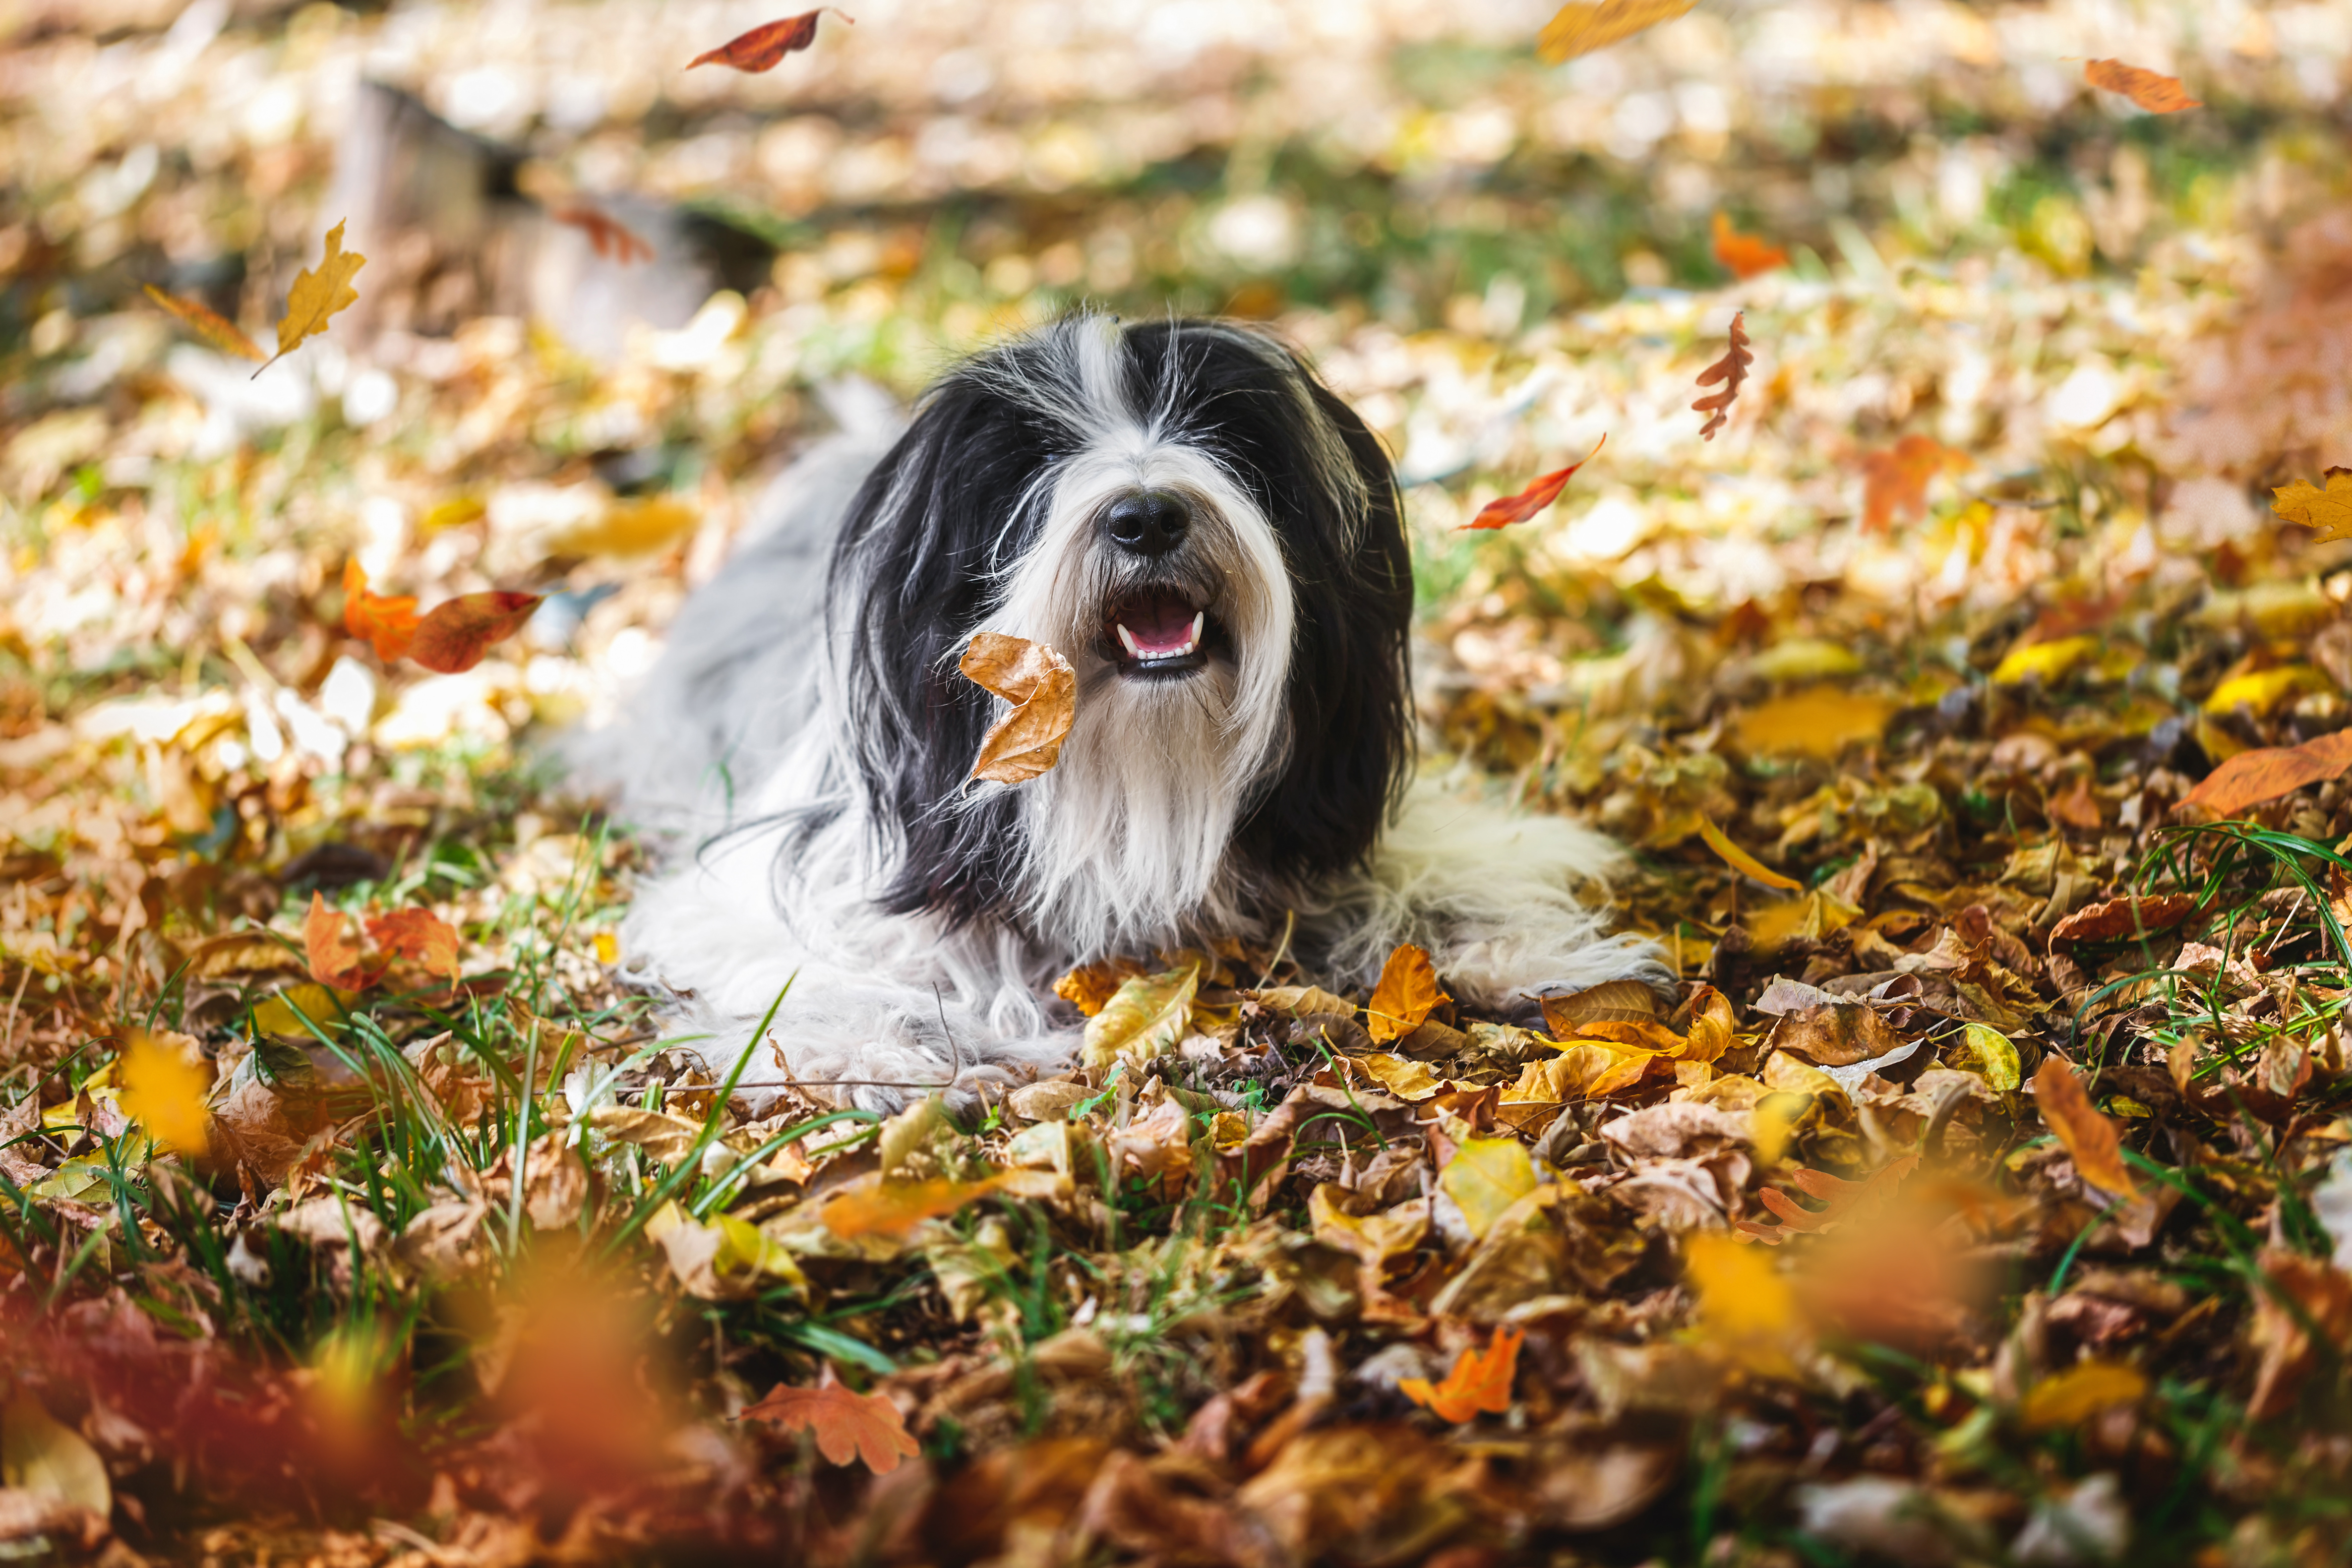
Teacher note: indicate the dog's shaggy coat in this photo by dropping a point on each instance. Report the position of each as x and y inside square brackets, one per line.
[805, 741]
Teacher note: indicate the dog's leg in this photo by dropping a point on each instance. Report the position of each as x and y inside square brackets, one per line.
[1494, 895]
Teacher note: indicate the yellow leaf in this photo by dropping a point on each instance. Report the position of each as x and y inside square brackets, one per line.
[1487, 1177]
[216, 330]
[322, 1006]
[1405, 996]
[1400, 1076]
[1374, 1238]
[2328, 511]
[2048, 662]
[1805, 658]
[894, 1208]
[1741, 861]
[1589, 25]
[1995, 1057]
[2264, 689]
[608, 947]
[638, 526]
[1740, 1294]
[2079, 1393]
[743, 1248]
[1044, 691]
[1813, 917]
[1817, 722]
[1144, 1019]
[316, 295]
[41, 1454]
[165, 1091]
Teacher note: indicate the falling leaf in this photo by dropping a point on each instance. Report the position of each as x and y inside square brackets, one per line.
[387, 622]
[1486, 1177]
[41, 1454]
[457, 633]
[215, 329]
[316, 295]
[419, 935]
[607, 235]
[334, 959]
[1144, 1019]
[2249, 778]
[165, 1091]
[1538, 495]
[1481, 1380]
[1407, 993]
[846, 1425]
[1995, 1055]
[1820, 721]
[1044, 691]
[1744, 256]
[1740, 1294]
[1894, 482]
[2117, 919]
[1580, 27]
[1741, 861]
[2073, 1396]
[1731, 369]
[2328, 511]
[894, 1208]
[760, 49]
[2157, 94]
[2092, 1138]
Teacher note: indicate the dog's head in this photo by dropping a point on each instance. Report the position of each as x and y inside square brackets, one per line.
[1213, 539]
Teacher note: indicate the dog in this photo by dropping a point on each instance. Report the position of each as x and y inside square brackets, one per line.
[1215, 543]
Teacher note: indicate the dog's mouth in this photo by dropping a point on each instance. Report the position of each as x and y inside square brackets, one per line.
[1158, 631]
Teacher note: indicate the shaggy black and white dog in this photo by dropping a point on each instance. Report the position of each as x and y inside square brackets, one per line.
[1213, 541]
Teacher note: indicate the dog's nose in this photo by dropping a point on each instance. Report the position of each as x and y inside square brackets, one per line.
[1149, 523]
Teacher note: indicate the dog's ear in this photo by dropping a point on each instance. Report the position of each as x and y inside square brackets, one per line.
[910, 579]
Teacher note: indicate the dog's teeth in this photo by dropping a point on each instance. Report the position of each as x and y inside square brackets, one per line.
[1194, 641]
[1129, 638]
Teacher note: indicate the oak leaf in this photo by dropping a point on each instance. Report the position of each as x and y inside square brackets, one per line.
[1507, 509]
[1584, 25]
[386, 621]
[316, 295]
[846, 1425]
[215, 329]
[1407, 993]
[607, 235]
[760, 48]
[2328, 511]
[2267, 772]
[2093, 1138]
[163, 1090]
[419, 935]
[1744, 256]
[1044, 691]
[1090, 986]
[1896, 480]
[1731, 369]
[2155, 93]
[456, 634]
[1481, 1380]
[1741, 861]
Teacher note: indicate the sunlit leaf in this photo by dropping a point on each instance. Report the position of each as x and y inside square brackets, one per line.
[1819, 722]
[1407, 993]
[635, 525]
[164, 1089]
[846, 1425]
[387, 622]
[1486, 1177]
[1741, 1292]
[316, 295]
[1144, 1019]
[1539, 493]
[456, 634]
[2070, 1397]
[418, 936]
[1743, 863]
[2157, 94]
[1584, 25]
[223, 334]
[1995, 1057]
[2328, 511]
[333, 957]
[760, 48]
[1480, 1381]
[2249, 778]
[1731, 372]
[1044, 691]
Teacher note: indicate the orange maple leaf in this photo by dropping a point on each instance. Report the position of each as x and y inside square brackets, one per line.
[456, 633]
[1509, 509]
[333, 958]
[846, 1425]
[417, 934]
[1481, 1380]
[386, 621]
[1745, 255]
[1407, 993]
[1730, 370]
[1896, 480]
[760, 49]
[2155, 93]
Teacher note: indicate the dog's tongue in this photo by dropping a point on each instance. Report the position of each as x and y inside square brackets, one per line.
[1158, 625]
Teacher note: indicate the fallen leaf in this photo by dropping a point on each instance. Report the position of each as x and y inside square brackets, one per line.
[1731, 369]
[1486, 1177]
[1044, 691]
[457, 633]
[163, 1090]
[321, 1004]
[2324, 1295]
[760, 49]
[1090, 986]
[1896, 481]
[2117, 919]
[1588, 24]
[894, 1208]
[2157, 94]
[2328, 511]
[1741, 861]
[1745, 255]
[316, 295]
[1542, 493]
[2261, 690]
[1481, 1380]
[607, 235]
[1407, 993]
[2073, 1396]
[1820, 721]
[1741, 1294]
[1612, 1001]
[1400, 1076]
[1995, 1055]
[215, 329]
[418, 936]
[2249, 778]
[2093, 1138]
[1840, 1199]
[41, 1454]
[1837, 1034]
[2048, 662]
[1144, 1019]
[846, 1425]
[333, 958]
[387, 622]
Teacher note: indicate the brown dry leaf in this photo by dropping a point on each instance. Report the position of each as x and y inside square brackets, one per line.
[222, 333]
[1507, 509]
[1481, 1380]
[2157, 94]
[1044, 691]
[2118, 919]
[387, 622]
[1894, 482]
[1837, 1034]
[316, 295]
[2324, 1295]
[1144, 1019]
[2328, 511]
[1741, 861]
[456, 634]
[1612, 1001]
[607, 235]
[1820, 721]
[2093, 1138]
[760, 48]
[846, 1425]
[1731, 369]
[1744, 256]
[2267, 772]
[1407, 993]
[1584, 25]
[418, 936]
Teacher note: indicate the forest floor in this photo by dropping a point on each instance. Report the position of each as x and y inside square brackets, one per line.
[1986, 1199]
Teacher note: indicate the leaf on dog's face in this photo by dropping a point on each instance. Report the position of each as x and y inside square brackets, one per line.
[1145, 1017]
[1044, 691]
[1407, 993]
[457, 633]
[1509, 509]
[2157, 93]
[210, 325]
[760, 48]
[1580, 27]
[846, 1425]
